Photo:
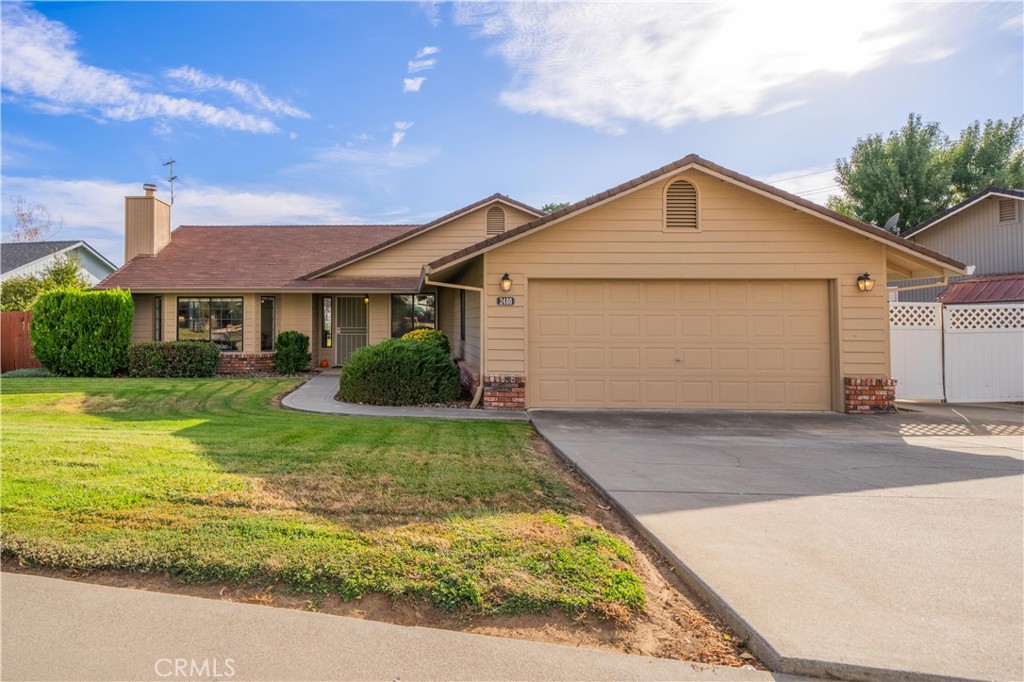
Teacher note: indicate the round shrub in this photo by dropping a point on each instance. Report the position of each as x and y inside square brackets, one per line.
[292, 354]
[82, 333]
[399, 372]
[430, 336]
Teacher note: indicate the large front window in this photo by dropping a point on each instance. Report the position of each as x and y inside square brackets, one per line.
[211, 319]
[412, 311]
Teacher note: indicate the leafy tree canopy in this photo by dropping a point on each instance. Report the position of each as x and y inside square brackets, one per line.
[554, 206]
[20, 293]
[917, 171]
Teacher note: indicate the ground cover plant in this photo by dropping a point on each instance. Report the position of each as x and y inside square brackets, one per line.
[205, 480]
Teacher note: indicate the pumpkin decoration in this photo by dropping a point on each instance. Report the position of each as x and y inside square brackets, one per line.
[323, 363]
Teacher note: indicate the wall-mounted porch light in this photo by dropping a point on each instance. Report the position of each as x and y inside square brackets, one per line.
[865, 283]
[506, 283]
[366, 299]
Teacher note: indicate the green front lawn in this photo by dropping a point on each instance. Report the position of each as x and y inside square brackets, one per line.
[206, 480]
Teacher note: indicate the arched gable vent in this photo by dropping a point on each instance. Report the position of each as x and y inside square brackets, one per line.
[681, 206]
[495, 220]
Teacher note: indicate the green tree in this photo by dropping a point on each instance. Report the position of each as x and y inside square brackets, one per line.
[987, 156]
[554, 206]
[905, 173]
[20, 293]
[917, 171]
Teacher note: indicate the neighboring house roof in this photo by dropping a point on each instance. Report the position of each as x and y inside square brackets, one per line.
[694, 161]
[987, 289]
[966, 203]
[448, 217]
[237, 258]
[14, 255]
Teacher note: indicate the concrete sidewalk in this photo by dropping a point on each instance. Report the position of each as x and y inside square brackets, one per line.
[884, 547]
[317, 395]
[65, 630]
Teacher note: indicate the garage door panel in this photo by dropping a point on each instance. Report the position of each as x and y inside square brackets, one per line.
[697, 344]
[588, 325]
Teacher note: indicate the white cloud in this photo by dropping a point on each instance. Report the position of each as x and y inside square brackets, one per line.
[94, 209]
[42, 68]
[432, 8]
[400, 128]
[250, 93]
[395, 159]
[412, 84]
[610, 65]
[293, 135]
[427, 51]
[417, 65]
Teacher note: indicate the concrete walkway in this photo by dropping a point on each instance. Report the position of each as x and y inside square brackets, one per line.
[860, 547]
[64, 630]
[317, 395]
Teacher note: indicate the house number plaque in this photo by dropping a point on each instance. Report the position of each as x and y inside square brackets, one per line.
[506, 300]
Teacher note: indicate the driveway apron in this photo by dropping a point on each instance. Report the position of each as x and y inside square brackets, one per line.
[862, 547]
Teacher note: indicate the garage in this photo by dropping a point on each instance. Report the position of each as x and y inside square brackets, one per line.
[713, 344]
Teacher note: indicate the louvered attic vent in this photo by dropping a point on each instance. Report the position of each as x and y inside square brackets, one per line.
[1007, 210]
[495, 221]
[681, 206]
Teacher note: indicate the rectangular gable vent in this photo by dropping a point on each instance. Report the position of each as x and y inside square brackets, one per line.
[1007, 210]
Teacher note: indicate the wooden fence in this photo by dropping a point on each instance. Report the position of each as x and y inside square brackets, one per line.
[15, 344]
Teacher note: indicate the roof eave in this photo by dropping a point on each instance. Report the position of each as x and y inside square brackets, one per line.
[443, 220]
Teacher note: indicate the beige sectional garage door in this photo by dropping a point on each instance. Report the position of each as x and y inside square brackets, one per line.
[690, 344]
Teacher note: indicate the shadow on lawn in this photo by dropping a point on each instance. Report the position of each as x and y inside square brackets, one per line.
[365, 473]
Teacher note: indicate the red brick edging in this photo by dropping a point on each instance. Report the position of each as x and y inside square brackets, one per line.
[243, 363]
[869, 395]
[503, 392]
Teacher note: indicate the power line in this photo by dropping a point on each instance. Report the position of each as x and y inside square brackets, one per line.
[817, 191]
[805, 175]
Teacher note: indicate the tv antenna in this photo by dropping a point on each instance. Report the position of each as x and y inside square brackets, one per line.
[171, 177]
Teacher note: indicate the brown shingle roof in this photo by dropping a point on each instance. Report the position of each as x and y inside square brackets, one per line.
[694, 160]
[423, 228]
[247, 257]
[987, 289]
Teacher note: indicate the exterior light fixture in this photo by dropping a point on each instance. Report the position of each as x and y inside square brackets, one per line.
[366, 299]
[865, 283]
[506, 283]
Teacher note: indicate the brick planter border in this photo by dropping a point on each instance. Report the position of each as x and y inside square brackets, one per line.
[869, 395]
[244, 363]
[503, 392]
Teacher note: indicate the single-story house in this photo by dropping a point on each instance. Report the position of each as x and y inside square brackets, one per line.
[18, 259]
[985, 231]
[691, 286]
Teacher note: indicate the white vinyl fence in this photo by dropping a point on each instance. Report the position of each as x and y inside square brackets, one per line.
[958, 353]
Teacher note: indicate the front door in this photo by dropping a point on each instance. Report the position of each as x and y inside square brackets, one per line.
[351, 326]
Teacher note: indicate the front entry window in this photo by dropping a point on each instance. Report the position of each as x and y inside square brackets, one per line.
[412, 311]
[268, 325]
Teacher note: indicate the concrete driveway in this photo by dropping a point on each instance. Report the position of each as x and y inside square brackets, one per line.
[861, 547]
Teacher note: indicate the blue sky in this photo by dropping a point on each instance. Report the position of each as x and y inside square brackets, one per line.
[324, 112]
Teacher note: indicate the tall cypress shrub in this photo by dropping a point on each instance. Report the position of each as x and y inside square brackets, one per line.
[83, 333]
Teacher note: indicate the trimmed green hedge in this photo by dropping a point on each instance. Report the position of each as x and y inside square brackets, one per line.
[173, 359]
[399, 372]
[431, 336]
[82, 333]
[292, 354]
